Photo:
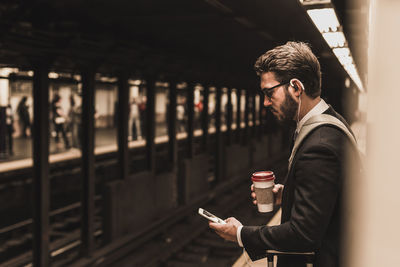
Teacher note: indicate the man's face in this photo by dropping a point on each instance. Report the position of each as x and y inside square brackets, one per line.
[282, 103]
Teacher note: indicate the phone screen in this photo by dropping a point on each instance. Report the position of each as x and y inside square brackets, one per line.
[208, 215]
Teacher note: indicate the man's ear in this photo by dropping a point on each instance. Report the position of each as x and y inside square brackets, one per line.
[298, 86]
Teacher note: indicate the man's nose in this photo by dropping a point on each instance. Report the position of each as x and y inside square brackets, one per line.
[267, 102]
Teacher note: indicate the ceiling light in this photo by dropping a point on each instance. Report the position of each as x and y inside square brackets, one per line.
[345, 60]
[341, 52]
[314, 2]
[334, 39]
[325, 19]
[322, 13]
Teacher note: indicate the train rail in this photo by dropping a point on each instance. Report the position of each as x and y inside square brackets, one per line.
[16, 238]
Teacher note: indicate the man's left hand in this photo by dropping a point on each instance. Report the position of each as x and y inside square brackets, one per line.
[226, 231]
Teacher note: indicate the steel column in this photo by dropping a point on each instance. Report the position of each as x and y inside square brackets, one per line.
[246, 118]
[205, 117]
[229, 117]
[3, 133]
[260, 116]
[150, 124]
[238, 117]
[190, 129]
[41, 184]
[88, 171]
[122, 124]
[218, 159]
[253, 111]
[172, 142]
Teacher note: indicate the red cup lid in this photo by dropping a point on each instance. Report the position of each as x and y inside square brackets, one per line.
[263, 176]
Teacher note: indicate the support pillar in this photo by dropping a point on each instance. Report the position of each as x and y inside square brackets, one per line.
[122, 125]
[246, 117]
[238, 117]
[229, 117]
[260, 116]
[205, 118]
[41, 183]
[150, 124]
[190, 108]
[4, 101]
[218, 135]
[88, 171]
[172, 142]
[253, 111]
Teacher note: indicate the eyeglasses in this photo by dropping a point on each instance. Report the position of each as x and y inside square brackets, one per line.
[269, 92]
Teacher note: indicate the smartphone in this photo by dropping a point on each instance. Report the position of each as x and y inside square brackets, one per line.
[210, 216]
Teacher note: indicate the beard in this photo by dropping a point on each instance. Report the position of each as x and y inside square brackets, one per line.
[288, 110]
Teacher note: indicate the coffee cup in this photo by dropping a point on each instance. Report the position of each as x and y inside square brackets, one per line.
[263, 182]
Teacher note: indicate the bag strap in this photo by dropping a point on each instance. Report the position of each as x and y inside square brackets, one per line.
[314, 122]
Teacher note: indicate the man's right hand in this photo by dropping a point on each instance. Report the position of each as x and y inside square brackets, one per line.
[277, 190]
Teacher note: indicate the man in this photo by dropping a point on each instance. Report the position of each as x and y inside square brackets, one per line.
[311, 199]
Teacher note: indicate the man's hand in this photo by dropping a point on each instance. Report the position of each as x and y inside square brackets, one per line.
[226, 231]
[277, 190]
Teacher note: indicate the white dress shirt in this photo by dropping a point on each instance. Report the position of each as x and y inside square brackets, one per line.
[319, 108]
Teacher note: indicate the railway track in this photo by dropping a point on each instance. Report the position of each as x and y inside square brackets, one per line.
[191, 243]
[182, 240]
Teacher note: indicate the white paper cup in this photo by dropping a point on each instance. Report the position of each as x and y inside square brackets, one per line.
[263, 184]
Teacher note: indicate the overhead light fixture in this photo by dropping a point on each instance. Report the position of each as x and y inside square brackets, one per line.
[315, 2]
[325, 19]
[343, 54]
[335, 39]
[323, 14]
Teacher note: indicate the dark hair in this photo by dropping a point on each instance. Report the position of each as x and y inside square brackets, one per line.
[292, 60]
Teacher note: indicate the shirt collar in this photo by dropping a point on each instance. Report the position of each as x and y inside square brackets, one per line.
[319, 108]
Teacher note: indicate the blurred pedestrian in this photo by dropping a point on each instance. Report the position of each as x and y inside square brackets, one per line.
[10, 129]
[59, 120]
[75, 116]
[24, 118]
[77, 126]
[180, 117]
[134, 121]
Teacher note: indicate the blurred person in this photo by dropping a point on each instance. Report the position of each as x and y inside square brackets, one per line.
[70, 121]
[198, 108]
[10, 128]
[59, 120]
[23, 115]
[311, 197]
[76, 124]
[180, 117]
[134, 121]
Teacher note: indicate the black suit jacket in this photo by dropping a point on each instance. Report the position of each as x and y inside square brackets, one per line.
[311, 202]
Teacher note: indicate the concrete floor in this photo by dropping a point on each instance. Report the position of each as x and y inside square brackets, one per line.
[22, 147]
